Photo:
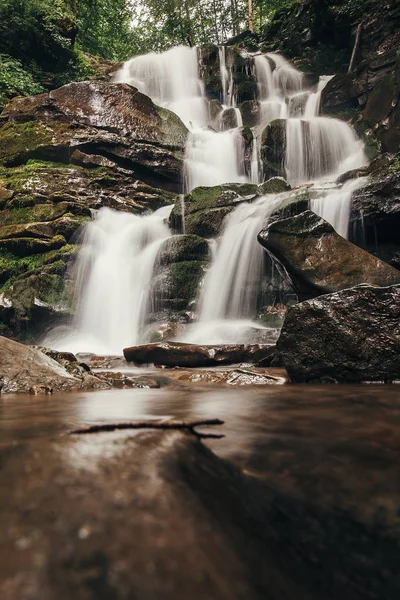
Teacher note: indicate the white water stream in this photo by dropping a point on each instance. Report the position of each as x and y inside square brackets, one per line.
[116, 264]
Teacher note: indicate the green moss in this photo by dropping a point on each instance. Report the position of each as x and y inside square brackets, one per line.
[395, 165]
[186, 277]
[18, 139]
[181, 248]
[54, 262]
[33, 214]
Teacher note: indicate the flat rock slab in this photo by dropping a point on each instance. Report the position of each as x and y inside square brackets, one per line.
[353, 335]
[319, 260]
[177, 354]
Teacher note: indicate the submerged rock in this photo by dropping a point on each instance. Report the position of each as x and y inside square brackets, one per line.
[320, 261]
[177, 354]
[349, 336]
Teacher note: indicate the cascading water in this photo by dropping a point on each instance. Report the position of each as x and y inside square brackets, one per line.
[119, 253]
[334, 204]
[114, 271]
[232, 284]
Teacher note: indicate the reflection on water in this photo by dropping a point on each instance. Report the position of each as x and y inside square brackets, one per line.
[252, 416]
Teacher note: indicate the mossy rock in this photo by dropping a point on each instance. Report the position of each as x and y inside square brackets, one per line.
[294, 202]
[176, 284]
[206, 207]
[207, 223]
[21, 141]
[25, 246]
[247, 90]
[274, 185]
[183, 248]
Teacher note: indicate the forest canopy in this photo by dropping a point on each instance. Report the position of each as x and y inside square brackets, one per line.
[45, 43]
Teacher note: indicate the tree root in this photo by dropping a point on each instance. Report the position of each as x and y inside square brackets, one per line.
[183, 425]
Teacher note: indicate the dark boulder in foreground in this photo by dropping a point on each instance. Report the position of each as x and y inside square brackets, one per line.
[319, 260]
[177, 354]
[30, 370]
[350, 336]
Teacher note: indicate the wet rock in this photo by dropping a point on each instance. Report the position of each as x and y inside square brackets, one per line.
[293, 203]
[241, 376]
[274, 185]
[26, 246]
[207, 207]
[125, 381]
[29, 370]
[339, 95]
[375, 212]
[113, 121]
[349, 336]
[251, 113]
[177, 354]
[320, 261]
[175, 285]
[180, 248]
[273, 142]
[228, 119]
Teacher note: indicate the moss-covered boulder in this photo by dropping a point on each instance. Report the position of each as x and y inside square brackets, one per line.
[176, 285]
[183, 248]
[110, 120]
[274, 185]
[36, 290]
[205, 208]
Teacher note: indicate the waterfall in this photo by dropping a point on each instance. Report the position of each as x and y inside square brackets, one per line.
[232, 285]
[116, 264]
[114, 272]
[172, 81]
[334, 205]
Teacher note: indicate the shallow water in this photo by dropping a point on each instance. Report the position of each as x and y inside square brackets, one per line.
[251, 416]
[153, 515]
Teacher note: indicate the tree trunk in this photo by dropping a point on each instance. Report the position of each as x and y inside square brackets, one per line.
[251, 22]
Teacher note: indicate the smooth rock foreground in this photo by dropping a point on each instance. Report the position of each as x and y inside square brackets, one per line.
[349, 336]
[29, 370]
[177, 354]
[319, 260]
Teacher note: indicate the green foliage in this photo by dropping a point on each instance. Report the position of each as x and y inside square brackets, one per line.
[15, 80]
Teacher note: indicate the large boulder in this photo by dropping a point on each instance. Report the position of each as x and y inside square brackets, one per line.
[177, 354]
[30, 370]
[349, 336]
[375, 211]
[319, 260]
[114, 122]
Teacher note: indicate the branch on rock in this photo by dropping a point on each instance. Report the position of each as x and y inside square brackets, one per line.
[165, 425]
